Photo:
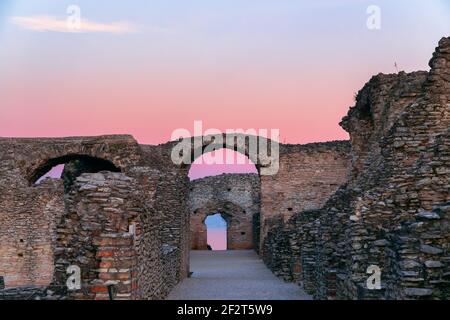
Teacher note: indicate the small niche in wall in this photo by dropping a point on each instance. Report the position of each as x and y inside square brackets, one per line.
[229, 189]
[20, 255]
[289, 209]
[242, 233]
[21, 240]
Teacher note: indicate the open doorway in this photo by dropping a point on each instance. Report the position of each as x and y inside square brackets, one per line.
[216, 232]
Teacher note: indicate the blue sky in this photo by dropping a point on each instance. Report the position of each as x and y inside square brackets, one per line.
[215, 221]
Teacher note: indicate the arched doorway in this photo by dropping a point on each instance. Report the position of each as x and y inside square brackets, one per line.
[69, 167]
[50, 185]
[238, 229]
[216, 232]
[227, 183]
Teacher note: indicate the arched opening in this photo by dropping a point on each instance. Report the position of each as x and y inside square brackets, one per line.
[52, 211]
[69, 167]
[221, 161]
[54, 173]
[224, 185]
[216, 232]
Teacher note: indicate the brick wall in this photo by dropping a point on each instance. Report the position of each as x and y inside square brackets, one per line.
[236, 197]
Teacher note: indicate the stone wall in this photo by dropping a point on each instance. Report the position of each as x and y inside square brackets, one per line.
[38, 220]
[94, 234]
[317, 169]
[388, 217]
[236, 197]
[28, 221]
[308, 176]
[84, 218]
[393, 212]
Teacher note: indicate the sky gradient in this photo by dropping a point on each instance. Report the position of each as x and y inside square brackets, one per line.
[216, 235]
[149, 67]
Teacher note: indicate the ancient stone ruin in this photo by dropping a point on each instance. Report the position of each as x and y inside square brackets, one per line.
[236, 198]
[128, 216]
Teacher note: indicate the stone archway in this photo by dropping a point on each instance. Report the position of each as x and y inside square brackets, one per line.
[239, 226]
[263, 152]
[75, 165]
[237, 198]
[213, 237]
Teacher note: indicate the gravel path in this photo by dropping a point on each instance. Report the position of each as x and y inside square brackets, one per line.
[233, 275]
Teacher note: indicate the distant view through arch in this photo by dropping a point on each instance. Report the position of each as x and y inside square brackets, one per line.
[224, 199]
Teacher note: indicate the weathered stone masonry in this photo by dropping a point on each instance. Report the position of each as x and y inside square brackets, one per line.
[236, 198]
[394, 210]
[122, 211]
[88, 223]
